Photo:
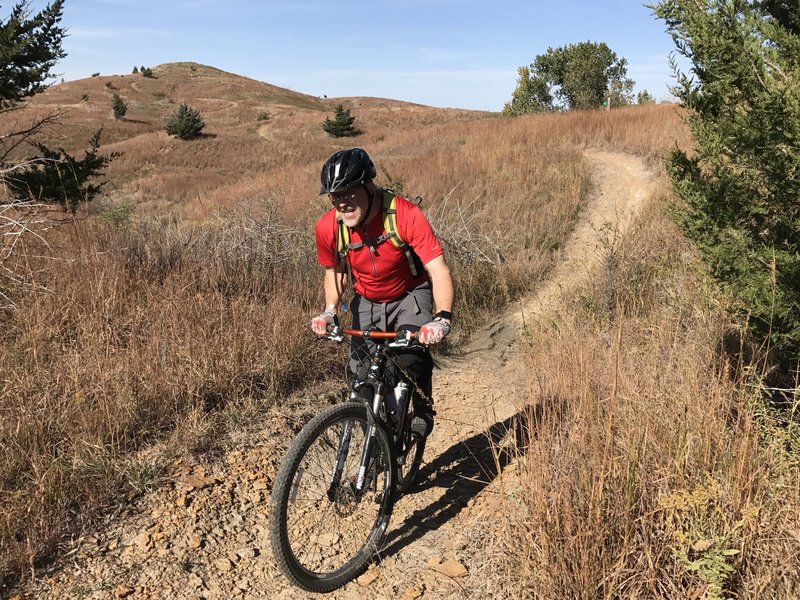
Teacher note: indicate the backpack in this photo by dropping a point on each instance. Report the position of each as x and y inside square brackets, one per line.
[389, 209]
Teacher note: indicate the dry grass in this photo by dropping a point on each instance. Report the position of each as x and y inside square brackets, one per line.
[648, 470]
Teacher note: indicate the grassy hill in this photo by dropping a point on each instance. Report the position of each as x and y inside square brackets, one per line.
[255, 132]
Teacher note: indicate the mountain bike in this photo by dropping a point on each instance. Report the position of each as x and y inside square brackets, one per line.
[334, 492]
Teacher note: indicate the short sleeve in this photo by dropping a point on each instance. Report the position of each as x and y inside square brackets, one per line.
[414, 229]
[324, 236]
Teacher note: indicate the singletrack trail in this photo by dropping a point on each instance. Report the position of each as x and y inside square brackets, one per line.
[206, 536]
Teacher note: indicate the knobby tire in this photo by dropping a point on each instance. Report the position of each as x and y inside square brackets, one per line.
[323, 536]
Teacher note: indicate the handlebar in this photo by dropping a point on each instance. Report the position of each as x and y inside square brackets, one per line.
[336, 333]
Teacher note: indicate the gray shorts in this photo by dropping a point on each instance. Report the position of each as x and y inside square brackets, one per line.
[409, 312]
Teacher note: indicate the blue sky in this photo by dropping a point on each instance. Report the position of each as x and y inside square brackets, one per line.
[451, 53]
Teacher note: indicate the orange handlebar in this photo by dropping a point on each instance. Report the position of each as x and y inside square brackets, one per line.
[375, 335]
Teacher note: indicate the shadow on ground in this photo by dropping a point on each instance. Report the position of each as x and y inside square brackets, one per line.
[464, 470]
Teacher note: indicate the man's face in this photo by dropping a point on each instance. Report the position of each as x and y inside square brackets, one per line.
[352, 205]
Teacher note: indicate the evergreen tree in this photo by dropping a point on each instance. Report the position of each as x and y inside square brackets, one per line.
[185, 123]
[59, 178]
[135, 70]
[119, 106]
[342, 123]
[30, 45]
[741, 183]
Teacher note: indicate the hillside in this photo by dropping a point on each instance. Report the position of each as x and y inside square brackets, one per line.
[251, 127]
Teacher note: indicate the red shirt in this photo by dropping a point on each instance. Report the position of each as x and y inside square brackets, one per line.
[385, 275]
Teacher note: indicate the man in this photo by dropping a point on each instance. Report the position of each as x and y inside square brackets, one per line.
[396, 281]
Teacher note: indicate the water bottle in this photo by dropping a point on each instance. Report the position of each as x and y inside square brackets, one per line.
[401, 393]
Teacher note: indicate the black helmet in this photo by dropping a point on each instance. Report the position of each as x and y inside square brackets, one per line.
[345, 170]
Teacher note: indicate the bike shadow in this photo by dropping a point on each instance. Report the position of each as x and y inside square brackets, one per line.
[464, 470]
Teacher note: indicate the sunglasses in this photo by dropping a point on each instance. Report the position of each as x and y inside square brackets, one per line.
[343, 197]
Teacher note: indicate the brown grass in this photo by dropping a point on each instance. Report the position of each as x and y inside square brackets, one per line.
[648, 469]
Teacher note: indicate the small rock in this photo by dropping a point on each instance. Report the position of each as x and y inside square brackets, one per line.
[123, 591]
[182, 500]
[413, 593]
[368, 577]
[451, 568]
[246, 552]
[194, 541]
[224, 565]
[142, 541]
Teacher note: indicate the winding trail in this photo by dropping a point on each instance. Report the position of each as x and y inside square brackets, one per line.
[207, 536]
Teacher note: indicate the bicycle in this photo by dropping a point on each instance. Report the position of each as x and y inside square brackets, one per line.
[335, 490]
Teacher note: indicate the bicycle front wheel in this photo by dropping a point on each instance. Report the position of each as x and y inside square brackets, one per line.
[323, 531]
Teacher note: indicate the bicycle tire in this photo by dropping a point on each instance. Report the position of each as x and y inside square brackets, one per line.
[409, 459]
[347, 531]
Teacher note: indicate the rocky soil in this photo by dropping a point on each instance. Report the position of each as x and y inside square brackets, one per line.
[204, 534]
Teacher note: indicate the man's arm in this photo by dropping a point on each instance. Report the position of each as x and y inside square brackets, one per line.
[441, 282]
[332, 299]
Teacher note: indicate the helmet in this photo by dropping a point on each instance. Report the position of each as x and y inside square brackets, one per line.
[345, 170]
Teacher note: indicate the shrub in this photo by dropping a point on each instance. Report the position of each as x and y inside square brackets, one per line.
[147, 72]
[263, 116]
[119, 106]
[341, 125]
[185, 123]
[95, 74]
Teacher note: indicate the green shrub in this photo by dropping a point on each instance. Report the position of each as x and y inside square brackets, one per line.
[341, 125]
[185, 123]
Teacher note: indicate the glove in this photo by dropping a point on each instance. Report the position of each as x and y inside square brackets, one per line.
[321, 322]
[433, 332]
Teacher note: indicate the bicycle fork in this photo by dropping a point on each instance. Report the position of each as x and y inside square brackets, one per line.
[366, 452]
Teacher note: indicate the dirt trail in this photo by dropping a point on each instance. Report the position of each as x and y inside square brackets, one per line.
[207, 537]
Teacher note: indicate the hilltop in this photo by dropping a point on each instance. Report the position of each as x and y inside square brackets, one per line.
[250, 125]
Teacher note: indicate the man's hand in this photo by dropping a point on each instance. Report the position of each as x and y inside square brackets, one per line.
[433, 332]
[321, 322]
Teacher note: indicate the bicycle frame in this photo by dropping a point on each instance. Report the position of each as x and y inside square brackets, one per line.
[375, 378]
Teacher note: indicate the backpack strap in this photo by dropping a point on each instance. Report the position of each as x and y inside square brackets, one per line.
[390, 231]
[389, 209]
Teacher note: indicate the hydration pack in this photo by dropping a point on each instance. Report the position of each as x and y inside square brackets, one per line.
[389, 209]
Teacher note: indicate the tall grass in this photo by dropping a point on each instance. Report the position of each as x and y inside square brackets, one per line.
[651, 467]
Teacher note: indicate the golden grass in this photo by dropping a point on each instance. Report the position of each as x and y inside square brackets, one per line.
[648, 470]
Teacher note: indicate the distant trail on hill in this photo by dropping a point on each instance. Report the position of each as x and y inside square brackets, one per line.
[206, 537]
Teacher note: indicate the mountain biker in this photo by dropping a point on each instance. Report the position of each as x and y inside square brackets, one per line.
[392, 292]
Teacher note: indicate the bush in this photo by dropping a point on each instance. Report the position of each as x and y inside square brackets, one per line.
[263, 116]
[95, 74]
[119, 106]
[147, 72]
[741, 183]
[341, 125]
[185, 123]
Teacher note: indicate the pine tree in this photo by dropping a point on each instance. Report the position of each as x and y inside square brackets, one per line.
[119, 106]
[741, 182]
[341, 125]
[185, 123]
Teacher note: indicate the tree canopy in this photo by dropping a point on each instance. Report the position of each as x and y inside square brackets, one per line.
[741, 184]
[576, 76]
[30, 45]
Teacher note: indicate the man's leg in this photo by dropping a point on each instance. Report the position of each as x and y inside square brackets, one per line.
[411, 313]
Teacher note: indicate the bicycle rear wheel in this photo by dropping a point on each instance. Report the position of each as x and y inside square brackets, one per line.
[324, 533]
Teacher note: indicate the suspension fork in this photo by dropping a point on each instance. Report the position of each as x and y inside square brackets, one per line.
[369, 441]
[341, 457]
